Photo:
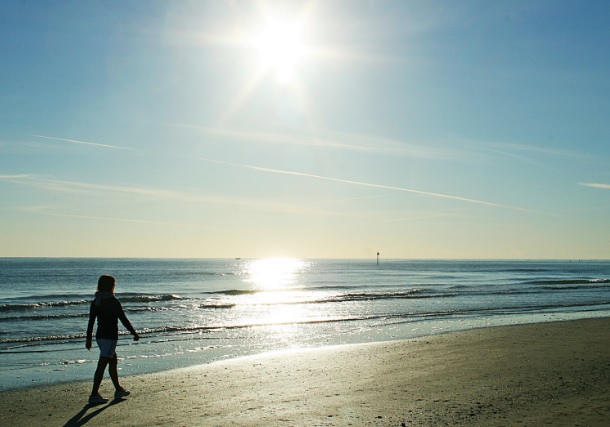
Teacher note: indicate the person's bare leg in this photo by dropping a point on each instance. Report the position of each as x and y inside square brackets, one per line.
[99, 375]
[114, 373]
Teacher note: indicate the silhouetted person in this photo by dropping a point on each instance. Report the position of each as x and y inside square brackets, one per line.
[107, 309]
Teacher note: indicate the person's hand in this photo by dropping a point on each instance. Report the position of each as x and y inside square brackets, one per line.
[88, 344]
[136, 337]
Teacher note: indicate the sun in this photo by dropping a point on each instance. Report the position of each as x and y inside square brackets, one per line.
[281, 47]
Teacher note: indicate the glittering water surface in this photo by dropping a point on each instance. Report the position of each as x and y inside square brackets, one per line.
[196, 311]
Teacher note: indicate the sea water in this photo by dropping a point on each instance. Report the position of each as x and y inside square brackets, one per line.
[194, 311]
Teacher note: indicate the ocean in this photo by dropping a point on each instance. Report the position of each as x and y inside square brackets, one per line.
[196, 311]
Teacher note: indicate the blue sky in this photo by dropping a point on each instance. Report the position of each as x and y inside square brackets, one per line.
[436, 129]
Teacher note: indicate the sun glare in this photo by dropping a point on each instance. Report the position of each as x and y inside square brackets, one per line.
[280, 47]
[274, 273]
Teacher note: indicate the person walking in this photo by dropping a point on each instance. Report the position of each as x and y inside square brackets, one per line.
[108, 311]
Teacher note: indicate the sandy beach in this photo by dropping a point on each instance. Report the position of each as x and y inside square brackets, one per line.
[542, 374]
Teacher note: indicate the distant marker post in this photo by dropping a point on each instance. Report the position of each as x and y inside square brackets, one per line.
[377, 258]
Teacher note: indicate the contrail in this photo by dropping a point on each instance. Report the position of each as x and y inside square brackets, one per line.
[82, 142]
[366, 184]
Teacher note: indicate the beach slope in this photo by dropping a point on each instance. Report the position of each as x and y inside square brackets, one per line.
[541, 374]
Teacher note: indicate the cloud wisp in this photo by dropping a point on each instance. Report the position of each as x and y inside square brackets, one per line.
[329, 140]
[84, 187]
[15, 177]
[596, 185]
[75, 141]
[158, 194]
[46, 210]
[371, 185]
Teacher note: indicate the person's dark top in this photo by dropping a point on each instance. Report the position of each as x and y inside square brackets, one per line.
[108, 310]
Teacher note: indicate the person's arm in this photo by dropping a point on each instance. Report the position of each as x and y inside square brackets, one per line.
[92, 315]
[126, 323]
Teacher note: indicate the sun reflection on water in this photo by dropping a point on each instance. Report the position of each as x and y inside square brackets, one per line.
[275, 273]
[276, 305]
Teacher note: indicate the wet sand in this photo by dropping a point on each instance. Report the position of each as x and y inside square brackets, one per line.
[554, 374]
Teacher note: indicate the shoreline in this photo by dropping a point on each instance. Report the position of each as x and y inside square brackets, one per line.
[551, 372]
[131, 365]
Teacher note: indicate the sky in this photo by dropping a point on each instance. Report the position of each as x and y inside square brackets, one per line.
[305, 129]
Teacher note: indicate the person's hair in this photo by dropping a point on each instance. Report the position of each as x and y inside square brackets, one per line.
[106, 282]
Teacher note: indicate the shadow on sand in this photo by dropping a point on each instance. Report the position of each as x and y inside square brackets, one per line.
[83, 418]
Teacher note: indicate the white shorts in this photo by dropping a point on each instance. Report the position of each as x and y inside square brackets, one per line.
[107, 347]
